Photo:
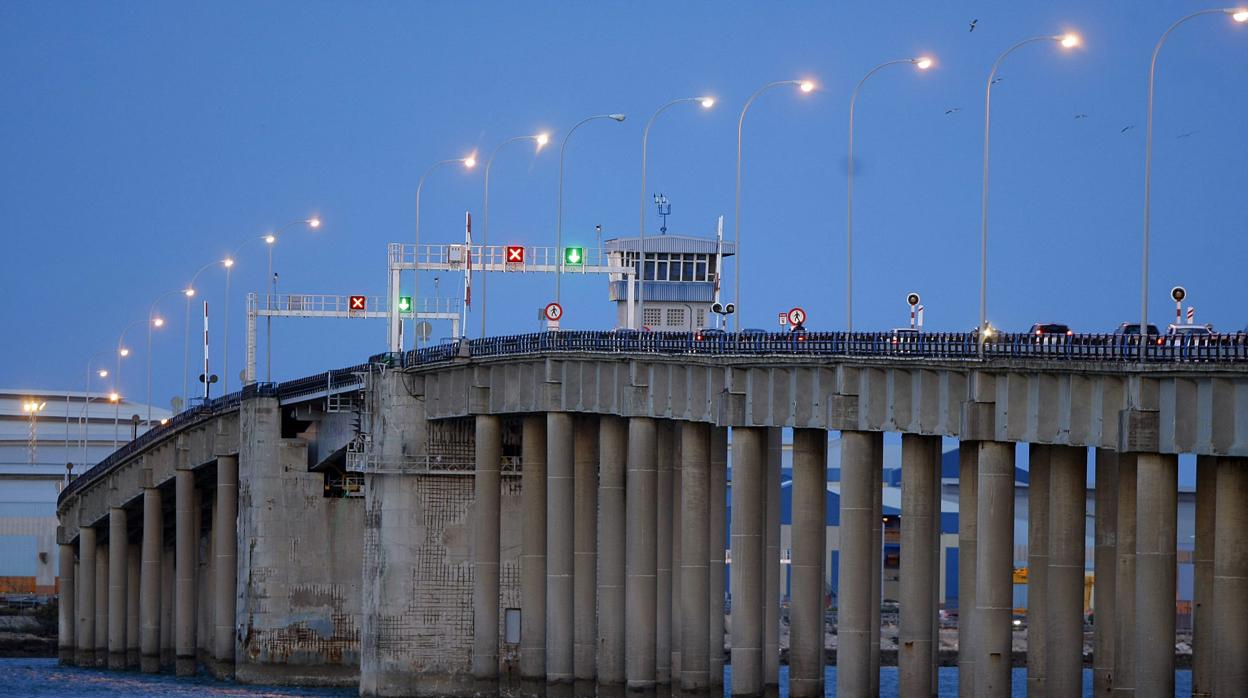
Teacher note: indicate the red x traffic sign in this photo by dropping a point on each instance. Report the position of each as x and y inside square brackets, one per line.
[358, 303]
[515, 254]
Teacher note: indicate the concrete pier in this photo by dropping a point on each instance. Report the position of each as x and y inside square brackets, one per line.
[663, 559]
[1068, 475]
[810, 477]
[150, 589]
[854, 615]
[559, 552]
[694, 579]
[877, 557]
[533, 549]
[133, 569]
[1202, 563]
[225, 544]
[1038, 521]
[749, 478]
[716, 545]
[641, 557]
[918, 482]
[488, 443]
[66, 620]
[186, 540]
[1124, 580]
[968, 495]
[118, 551]
[1230, 579]
[1156, 494]
[84, 608]
[677, 552]
[994, 568]
[102, 598]
[1105, 571]
[585, 548]
[612, 450]
[771, 561]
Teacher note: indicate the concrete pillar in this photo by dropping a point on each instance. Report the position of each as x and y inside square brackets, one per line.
[968, 495]
[533, 548]
[559, 552]
[65, 620]
[118, 569]
[612, 447]
[641, 557]
[771, 561]
[84, 608]
[151, 551]
[664, 437]
[749, 479]
[225, 575]
[994, 568]
[854, 610]
[1230, 579]
[585, 547]
[877, 557]
[1105, 571]
[132, 606]
[1040, 468]
[918, 479]
[167, 585]
[936, 545]
[716, 545]
[1156, 491]
[1203, 610]
[809, 531]
[102, 599]
[695, 481]
[1068, 476]
[485, 550]
[677, 550]
[1124, 580]
[186, 538]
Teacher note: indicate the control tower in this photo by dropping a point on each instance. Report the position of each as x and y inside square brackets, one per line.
[680, 282]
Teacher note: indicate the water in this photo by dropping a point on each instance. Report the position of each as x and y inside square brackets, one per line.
[44, 678]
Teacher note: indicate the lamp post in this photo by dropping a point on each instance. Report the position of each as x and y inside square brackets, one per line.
[1239, 14]
[1067, 41]
[563, 149]
[154, 321]
[122, 352]
[271, 239]
[468, 163]
[186, 331]
[922, 63]
[84, 420]
[541, 140]
[707, 102]
[804, 86]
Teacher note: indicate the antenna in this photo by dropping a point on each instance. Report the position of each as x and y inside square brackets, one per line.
[665, 210]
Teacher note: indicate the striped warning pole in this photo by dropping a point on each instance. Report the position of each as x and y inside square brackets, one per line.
[912, 317]
[1191, 315]
[920, 313]
[204, 377]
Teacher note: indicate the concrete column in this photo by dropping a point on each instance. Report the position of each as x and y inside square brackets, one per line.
[854, 610]
[118, 569]
[677, 550]
[771, 561]
[968, 495]
[1124, 580]
[1157, 479]
[65, 620]
[225, 575]
[1068, 476]
[749, 479]
[809, 531]
[641, 557]
[994, 568]
[937, 547]
[1230, 579]
[1105, 571]
[716, 545]
[1040, 468]
[186, 537]
[918, 480]
[585, 547]
[663, 559]
[150, 582]
[612, 447]
[695, 481]
[132, 606]
[102, 599]
[167, 585]
[533, 548]
[877, 557]
[488, 443]
[1203, 610]
[84, 608]
[559, 552]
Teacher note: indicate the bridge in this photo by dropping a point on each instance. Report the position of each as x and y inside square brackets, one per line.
[540, 510]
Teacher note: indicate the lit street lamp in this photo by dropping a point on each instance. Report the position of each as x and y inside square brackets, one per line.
[468, 163]
[922, 63]
[84, 420]
[271, 239]
[804, 86]
[154, 320]
[122, 352]
[1067, 41]
[541, 140]
[563, 149]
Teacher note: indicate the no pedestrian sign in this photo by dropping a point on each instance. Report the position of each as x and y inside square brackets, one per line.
[797, 316]
[553, 312]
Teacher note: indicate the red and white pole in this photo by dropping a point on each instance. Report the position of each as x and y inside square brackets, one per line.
[912, 317]
[1178, 312]
[920, 313]
[1191, 315]
[205, 376]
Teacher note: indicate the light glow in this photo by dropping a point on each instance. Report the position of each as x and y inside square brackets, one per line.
[125, 351]
[1070, 40]
[708, 102]
[314, 222]
[1240, 15]
[270, 238]
[190, 292]
[542, 139]
[470, 161]
[923, 63]
[806, 86]
[227, 262]
[158, 322]
[102, 373]
[113, 397]
[164, 421]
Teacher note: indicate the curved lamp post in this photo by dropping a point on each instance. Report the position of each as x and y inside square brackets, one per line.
[122, 352]
[922, 63]
[804, 86]
[541, 140]
[186, 327]
[84, 420]
[707, 102]
[1239, 14]
[153, 320]
[468, 163]
[1067, 41]
[270, 239]
[563, 149]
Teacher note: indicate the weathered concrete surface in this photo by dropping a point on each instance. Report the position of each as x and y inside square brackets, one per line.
[1038, 524]
[66, 620]
[1157, 484]
[84, 608]
[641, 558]
[613, 446]
[968, 542]
[854, 603]
[1106, 571]
[749, 477]
[1230, 579]
[806, 615]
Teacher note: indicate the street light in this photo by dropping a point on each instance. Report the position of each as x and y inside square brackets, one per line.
[922, 63]
[271, 239]
[563, 149]
[1239, 14]
[468, 163]
[154, 321]
[1066, 41]
[540, 140]
[803, 85]
[122, 352]
[84, 420]
[186, 333]
[707, 102]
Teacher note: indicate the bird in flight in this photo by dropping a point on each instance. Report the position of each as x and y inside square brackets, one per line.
[1081, 116]
[1187, 135]
[1127, 128]
[952, 110]
[997, 80]
[973, 23]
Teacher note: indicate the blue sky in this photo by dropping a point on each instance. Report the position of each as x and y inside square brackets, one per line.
[140, 141]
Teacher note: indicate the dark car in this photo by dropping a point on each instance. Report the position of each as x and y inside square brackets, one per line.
[1050, 333]
[1133, 328]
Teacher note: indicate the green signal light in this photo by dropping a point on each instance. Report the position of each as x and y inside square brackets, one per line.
[574, 256]
[405, 304]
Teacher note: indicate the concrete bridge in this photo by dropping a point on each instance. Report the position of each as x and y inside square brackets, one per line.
[543, 510]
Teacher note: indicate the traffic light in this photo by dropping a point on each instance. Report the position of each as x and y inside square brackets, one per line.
[573, 256]
[405, 304]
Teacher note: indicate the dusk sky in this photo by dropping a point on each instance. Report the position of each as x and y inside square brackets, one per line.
[141, 141]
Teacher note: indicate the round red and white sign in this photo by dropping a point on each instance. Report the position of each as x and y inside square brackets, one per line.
[797, 316]
[554, 311]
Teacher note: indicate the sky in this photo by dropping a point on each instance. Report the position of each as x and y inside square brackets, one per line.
[143, 141]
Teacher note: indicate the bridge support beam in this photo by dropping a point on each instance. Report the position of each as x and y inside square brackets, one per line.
[678, 456]
[1203, 609]
[771, 561]
[485, 582]
[853, 656]
[1040, 458]
[1068, 476]
[225, 579]
[612, 449]
[132, 606]
[151, 550]
[1105, 571]
[641, 557]
[968, 537]
[1156, 522]
[994, 568]
[749, 481]
[810, 488]
[919, 478]
[167, 603]
[1124, 580]
[66, 620]
[877, 560]
[694, 580]
[84, 608]
[718, 495]
[117, 577]
[1230, 578]
[560, 558]
[585, 548]
[533, 549]
[101, 604]
[186, 529]
[664, 452]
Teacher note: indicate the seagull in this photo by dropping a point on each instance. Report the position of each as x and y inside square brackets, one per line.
[952, 110]
[1127, 128]
[973, 23]
[997, 80]
[1186, 135]
[1081, 116]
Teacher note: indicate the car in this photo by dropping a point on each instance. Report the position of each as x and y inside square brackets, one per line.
[1187, 335]
[1133, 328]
[904, 339]
[1050, 333]
[709, 333]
